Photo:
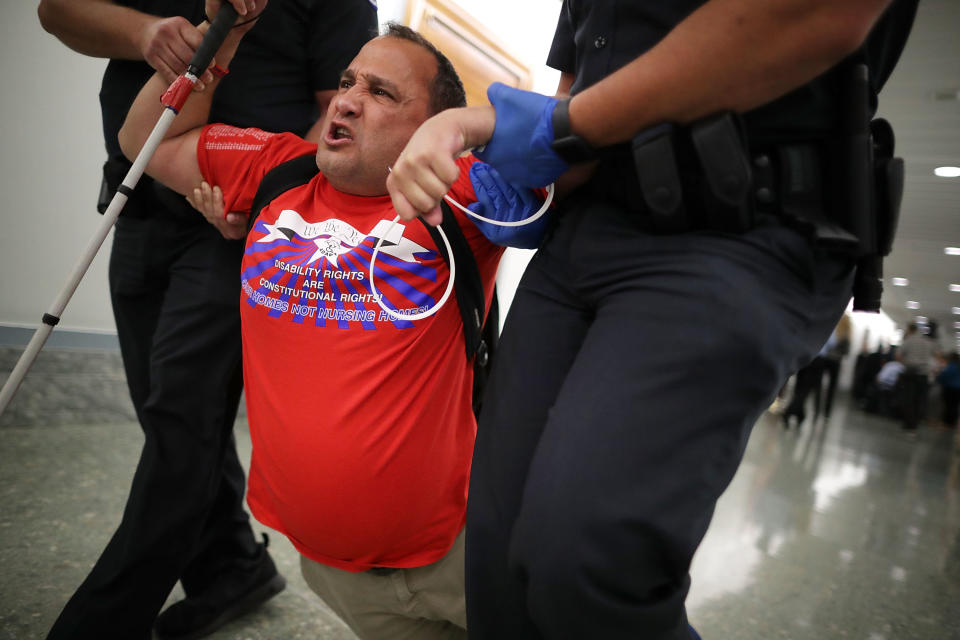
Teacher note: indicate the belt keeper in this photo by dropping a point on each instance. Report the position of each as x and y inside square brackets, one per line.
[218, 71]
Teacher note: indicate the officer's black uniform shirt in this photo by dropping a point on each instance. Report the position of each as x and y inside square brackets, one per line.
[296, 48]
[594, 38]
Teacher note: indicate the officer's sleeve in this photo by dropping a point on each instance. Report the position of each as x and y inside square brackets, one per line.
[338, 29]
[563, 51]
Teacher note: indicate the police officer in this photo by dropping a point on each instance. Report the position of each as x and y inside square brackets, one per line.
[174, 284]
[705, 253]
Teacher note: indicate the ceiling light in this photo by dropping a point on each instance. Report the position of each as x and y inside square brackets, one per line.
[952, 251]
[900, 282]
[955, 310]
[921, 319]
[912, 304]
[956, 325]
[955, 287]
[947, 172]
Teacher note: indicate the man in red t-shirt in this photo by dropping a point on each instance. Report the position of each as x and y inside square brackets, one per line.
[365, 475]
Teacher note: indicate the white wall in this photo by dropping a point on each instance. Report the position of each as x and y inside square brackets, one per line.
[52, 150]
[391, 11]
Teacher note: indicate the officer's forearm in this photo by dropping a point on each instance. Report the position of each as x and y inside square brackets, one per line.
[98, 28]
[727, 55]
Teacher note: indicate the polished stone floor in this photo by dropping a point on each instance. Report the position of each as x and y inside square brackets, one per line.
[841, 529]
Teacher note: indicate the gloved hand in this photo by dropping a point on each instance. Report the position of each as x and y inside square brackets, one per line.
[499, 200]
[520, 147]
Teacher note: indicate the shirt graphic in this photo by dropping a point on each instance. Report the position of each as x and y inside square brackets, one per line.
[320, 271]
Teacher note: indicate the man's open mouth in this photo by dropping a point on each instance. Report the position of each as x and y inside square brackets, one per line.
[340, 133]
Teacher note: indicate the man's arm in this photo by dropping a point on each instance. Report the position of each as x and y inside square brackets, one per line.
[427, 167]
[103, 29]
[209, 200]
[175, 163]
[728, 54]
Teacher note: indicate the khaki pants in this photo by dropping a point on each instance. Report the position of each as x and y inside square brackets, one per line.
[423, 603]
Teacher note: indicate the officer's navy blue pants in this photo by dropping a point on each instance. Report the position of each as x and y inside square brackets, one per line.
[175, 293]
[631, 370]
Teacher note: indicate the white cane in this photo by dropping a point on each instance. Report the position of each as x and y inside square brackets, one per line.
[173, 99]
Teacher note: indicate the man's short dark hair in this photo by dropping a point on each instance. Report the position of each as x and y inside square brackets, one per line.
[446, 90]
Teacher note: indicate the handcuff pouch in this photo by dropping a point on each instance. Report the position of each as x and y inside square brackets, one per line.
[658, 175]
[725, 186]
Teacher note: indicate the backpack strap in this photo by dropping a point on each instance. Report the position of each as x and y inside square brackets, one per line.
[468, 284]
[283, 177]
[483, 362]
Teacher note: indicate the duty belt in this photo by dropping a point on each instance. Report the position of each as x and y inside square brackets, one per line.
[842, 192]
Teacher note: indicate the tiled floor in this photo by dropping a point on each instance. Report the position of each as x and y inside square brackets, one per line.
[842, 529]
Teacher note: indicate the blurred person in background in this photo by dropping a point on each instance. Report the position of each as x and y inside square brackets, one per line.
[916, 353]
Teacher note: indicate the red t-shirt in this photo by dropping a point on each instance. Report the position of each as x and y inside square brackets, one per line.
[362, 425]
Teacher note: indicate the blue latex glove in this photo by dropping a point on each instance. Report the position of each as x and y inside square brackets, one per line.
[499, 200]
[520, 147]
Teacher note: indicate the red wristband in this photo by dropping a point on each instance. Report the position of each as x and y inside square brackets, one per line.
[219, 71]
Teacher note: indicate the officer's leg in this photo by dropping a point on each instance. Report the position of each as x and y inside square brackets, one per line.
[691, 341]
[138, 283]
[509, 430]
[224, 571]
[190, 371]
[139, 277]
[541, 337]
